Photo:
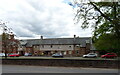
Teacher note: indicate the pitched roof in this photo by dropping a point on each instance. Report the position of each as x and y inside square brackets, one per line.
[58, 41]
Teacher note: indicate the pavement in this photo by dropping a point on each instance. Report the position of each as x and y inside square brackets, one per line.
[45, 57]
[46, 69]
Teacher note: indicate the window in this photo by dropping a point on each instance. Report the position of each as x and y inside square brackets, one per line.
[51, 46]
[69, 46]
[59, 47]
[77, 45]
[42, 46]
[34, 46]
[70, 52]
[110, 54]
[77, 52]
[87, 41]
[65, 53]
[91, 54]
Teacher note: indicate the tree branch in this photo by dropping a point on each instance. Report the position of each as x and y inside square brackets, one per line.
[101, 12]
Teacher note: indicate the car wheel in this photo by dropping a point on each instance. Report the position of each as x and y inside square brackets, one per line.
[102, 57]
[106, 57]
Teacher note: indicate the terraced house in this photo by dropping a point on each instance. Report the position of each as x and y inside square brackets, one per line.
[76, 46]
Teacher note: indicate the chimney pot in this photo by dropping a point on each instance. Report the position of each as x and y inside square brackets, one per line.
[74, 36]
[41, 37]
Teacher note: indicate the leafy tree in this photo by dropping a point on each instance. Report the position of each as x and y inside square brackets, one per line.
[108, 43]
[4, 36]
[103, 17]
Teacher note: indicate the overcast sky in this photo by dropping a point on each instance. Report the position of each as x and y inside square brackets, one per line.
[33, 18]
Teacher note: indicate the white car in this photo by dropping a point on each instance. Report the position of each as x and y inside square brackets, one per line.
[57, 55]
[2, 54]
[90, 55]
[28, 54]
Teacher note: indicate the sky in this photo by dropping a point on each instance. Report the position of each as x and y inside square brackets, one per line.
[33, 18]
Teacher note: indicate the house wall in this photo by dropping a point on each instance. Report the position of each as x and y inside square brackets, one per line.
[29, 50]
[56, 47]
[53, 47]
[88, 46]
[66, 50]
[50, 49]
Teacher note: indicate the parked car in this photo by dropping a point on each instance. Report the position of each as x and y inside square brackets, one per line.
[109, 55]
[28, 54]
[57, 55]
[13, 55]
[90, 55]
[2, 54]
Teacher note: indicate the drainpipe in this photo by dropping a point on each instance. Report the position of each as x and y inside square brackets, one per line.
[74, 42]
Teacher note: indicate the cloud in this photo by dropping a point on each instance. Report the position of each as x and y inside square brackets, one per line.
[31, 18]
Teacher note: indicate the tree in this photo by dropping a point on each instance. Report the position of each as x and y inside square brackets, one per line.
[9, 43]
[4, 43]
[108, 43]
[103, 17]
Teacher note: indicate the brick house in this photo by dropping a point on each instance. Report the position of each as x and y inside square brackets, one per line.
[11, 43]
[76, 46]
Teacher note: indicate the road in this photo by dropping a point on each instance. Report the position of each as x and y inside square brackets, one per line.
[46, 69]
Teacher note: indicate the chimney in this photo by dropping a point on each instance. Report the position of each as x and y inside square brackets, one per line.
[74, 36]
[41, 37]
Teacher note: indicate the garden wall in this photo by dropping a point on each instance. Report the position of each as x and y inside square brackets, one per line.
[63, 62]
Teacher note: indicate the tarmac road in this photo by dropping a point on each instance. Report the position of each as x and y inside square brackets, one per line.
[47, 69]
